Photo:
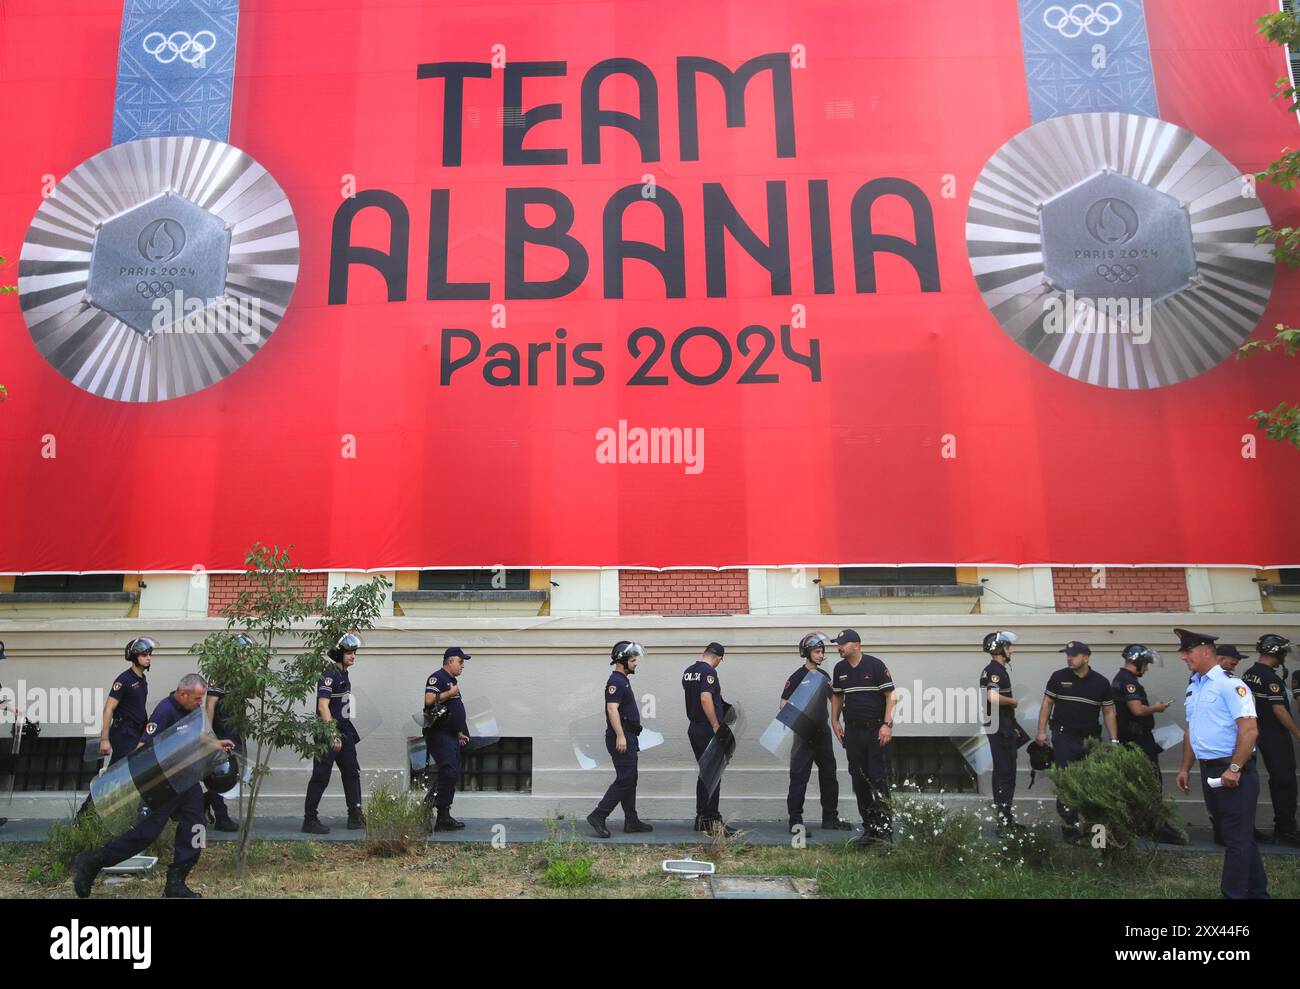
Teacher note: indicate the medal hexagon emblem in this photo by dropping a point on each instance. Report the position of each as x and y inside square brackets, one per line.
[147, 259]
[1111, 237]
[143, 221]
[1136, 190]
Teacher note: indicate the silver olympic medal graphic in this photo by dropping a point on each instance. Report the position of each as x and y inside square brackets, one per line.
[158, 267]
[1119, 249]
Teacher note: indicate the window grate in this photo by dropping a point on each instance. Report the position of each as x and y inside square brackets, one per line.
[473, 580]
[930, 765]
[47, 764]
[1289, 576]
[896, 576]
[504, 766]
[67, 583]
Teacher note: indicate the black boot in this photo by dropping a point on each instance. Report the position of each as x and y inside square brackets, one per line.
[446, 822]
[1169, 835]
[598, 825]
[224, 823]
[356, 819]
[176, 888]
[835, 824]
[635, 825]
[700, 824]
[86, 866]
[720, 830]
[1290, 838]
[312, 825]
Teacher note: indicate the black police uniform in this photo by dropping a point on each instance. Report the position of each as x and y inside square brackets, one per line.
[701, 678]
[335, 685]
[1076, 716]
[186, 807]
[1135, 728]
[443, 741]
[132, 695]
[1003, 738]
[819, 749]
[863, 689]
[1274, 744]
[212, 800]
[618, 690]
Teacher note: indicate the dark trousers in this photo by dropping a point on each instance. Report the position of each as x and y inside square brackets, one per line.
[349, 769]
[1234, 809]
[1144, 740]
[821, 750]
[444, 750]
[869, 770]
[623, 789]
[187, 809]
[1002, 746]
[1065, 750]
[706, 805]
[1279, 758]
[123, 741]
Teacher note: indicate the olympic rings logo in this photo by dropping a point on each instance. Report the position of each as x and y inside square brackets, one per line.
[1121, 273]
[1083, 17]
[154, 290]
[167, 48]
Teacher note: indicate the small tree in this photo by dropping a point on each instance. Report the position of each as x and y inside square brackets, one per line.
[1115, 786]
[1282, 422]
[269, 688]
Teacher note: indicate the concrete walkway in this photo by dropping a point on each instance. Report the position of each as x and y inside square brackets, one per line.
[523, 831]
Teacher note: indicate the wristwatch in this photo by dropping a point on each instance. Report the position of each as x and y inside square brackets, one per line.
[888, 724]
[1233, 767]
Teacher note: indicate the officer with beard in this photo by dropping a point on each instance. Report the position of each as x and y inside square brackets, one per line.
[1135, 718]
[622, 727]
[819, 749]
[1267, 681]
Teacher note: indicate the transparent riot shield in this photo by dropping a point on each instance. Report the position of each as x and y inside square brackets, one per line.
[481, 720]
[1169, 737]
[803, 715]
[716, 756]
[177, 759]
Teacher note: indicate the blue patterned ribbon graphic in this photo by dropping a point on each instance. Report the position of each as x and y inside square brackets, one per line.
[175, 69]
[1087, 58]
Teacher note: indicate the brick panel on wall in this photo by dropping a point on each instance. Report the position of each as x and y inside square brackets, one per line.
[683, 592]
[224, 588]
[1126, 589]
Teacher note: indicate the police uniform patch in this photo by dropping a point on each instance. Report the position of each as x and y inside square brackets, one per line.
[612, 688]
[328, 682]
[1132, 689]
[1274, 687]
[1241, 691]
[150, 728]
[117, 684]
[994, 678]
[709, 679]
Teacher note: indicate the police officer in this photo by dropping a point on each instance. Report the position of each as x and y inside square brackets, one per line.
[1221, 733]
[1004, 732]
[186, 807]
[622, 726]
[1266, 680]
[1135, 717]
[127, 708]
[334, 705]
[448, 736]
[1073, 699]
[5, 770]
[818, 748]
[1228, 658]
[705, 710]
[863, 691]
[218, 815]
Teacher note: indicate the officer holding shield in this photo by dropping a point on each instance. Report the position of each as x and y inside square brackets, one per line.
[448, 735]
[817, 748]
[1267, 681]
[334, 705]
[185, 807]
[622, 728]
[1221, 733]
[705, 709]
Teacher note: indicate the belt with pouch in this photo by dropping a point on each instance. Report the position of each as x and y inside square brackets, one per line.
[1061, 729]
[120, 722]
[631, 727]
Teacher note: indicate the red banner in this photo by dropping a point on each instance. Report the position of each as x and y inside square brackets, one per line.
[715, 335]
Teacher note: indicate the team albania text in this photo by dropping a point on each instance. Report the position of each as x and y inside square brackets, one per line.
[721, 221]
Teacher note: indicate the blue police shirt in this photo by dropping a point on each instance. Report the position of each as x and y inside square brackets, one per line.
[1124, 688]
[997, 676]
[1214, 703]
[863, 688]
[132, 695]
[166, 714]
[440, 680]
[1270, 695]
[337, 688]
[618, 690]
[701, 678]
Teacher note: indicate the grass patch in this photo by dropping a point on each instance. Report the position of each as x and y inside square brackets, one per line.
[396, 817]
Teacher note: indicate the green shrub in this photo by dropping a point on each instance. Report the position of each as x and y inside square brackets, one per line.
[1113, 785]
[395, 818]
[574, 872]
